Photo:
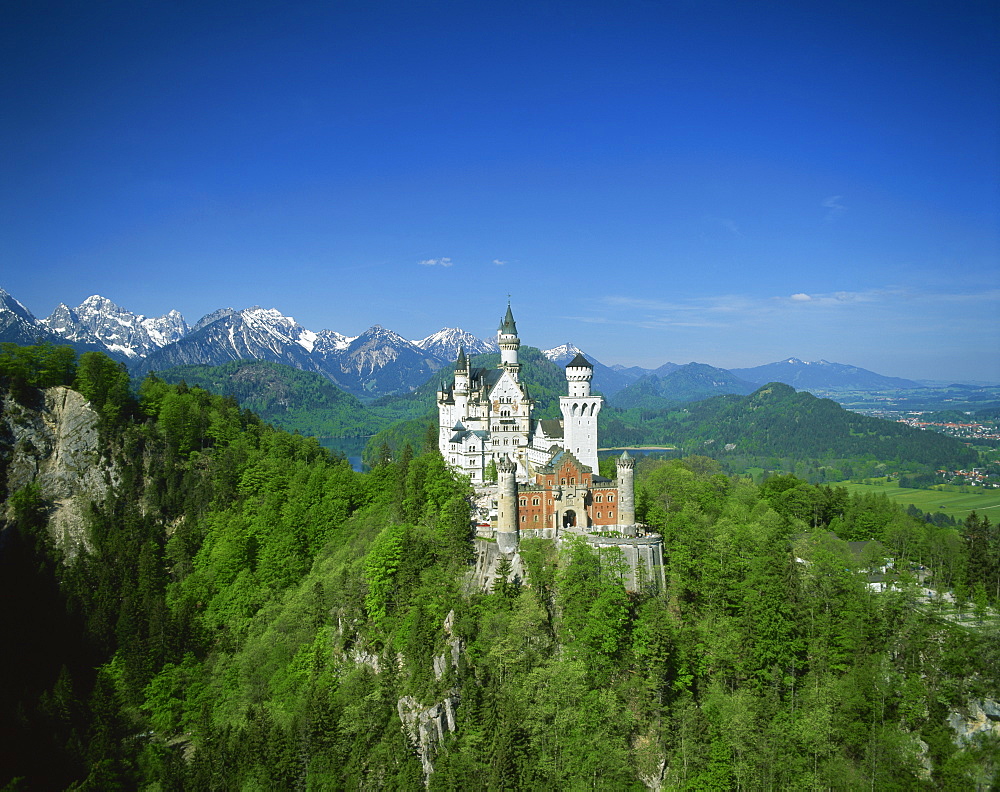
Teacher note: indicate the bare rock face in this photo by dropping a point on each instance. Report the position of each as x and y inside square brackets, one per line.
[56, 446]
[426, 726]
[978, 717]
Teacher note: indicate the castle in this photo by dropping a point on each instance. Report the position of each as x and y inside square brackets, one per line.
[547, 478]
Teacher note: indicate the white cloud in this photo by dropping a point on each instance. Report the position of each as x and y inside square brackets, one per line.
[499, 263]
[436, 262]
[737, 311]
[835, 207]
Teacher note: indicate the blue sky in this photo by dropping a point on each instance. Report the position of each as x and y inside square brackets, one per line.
[726, 182]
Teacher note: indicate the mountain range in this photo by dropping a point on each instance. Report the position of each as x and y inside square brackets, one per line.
[379, 361]
[820, 375]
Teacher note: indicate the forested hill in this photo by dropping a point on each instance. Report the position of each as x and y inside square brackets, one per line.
[248, 612]
[285, 396]
[775, 420]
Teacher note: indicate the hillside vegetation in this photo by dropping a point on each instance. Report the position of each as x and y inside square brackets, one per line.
[773, 423]
[776, 421]
[250, 613]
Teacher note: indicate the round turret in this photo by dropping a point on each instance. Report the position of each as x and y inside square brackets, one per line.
[579, 373]
[626, 489]
[509, 343]
[507, 527]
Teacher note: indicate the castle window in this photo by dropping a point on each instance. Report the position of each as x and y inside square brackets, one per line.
[535, 518]
[598, 515]
[597, 499]
[562, 480]
[572, 479]
[611, 515]
[611, 498]
[524, 518]
[524, 501]
[534, 501]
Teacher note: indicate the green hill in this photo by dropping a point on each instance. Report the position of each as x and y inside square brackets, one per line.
[775, 420]
[283, 396]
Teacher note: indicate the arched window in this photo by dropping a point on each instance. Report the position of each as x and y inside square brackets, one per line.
[611, 498]
[597, 498]
[562, 480]
[598, 515]
[535, 518]
[572, 479]
[524, 518]
[524, 501]
[534, 501]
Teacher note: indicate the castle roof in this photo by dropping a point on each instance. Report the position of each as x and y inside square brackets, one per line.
[552, 427]
[507, 326]
[579, 362]
[562, 455]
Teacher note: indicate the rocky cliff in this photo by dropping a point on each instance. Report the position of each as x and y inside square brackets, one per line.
[54, 443]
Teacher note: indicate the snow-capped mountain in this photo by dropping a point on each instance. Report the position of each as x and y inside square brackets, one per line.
[563, 352]
[17, 324]
[607, 380]
[820, 374]
[445, 342]
[380, 361]
[329, 342]
[377, 362]
[251, 334]
[100, 321]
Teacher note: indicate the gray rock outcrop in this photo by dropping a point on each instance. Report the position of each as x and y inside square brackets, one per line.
[56, 447]
[426, 726]
[978, 717]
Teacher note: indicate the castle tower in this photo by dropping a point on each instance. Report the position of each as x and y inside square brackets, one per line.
[509, 344]
[626, 489]
[579, 410]
[507, 525]
[461, 385]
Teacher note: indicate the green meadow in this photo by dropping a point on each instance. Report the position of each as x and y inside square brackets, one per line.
[954, 504]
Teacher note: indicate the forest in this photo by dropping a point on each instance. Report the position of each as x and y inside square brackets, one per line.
[248, 612]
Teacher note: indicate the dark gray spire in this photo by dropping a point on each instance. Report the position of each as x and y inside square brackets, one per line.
[461, 364]
[507, 326]
[579, 362]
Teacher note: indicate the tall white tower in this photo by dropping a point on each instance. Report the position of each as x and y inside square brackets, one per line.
[579, 411]
[461, 385]
[509, 344]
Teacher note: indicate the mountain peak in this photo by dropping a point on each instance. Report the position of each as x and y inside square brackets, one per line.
[445, 343]
[562, 352]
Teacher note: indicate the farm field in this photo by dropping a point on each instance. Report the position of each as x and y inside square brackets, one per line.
[954, 504]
